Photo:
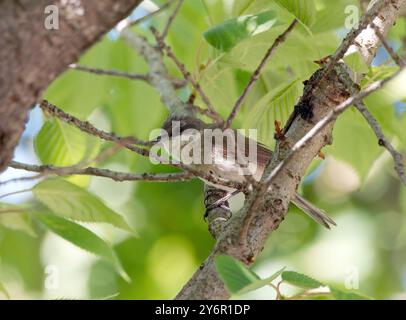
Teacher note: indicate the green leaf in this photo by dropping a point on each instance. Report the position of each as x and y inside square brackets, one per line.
[261, 283]
[235, 275]
[81, 237]
[347, 295]
[403, 199]
[303, 11]
[359, 150]
[241, 6]
[4, 291]
[60, 144]
[300, 280]
[71, 201]
[277, 104]
[248, 54]
[20, 221]
[356, 62]
[227, 35]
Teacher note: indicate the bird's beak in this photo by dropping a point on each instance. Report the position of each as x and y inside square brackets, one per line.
[156, 140]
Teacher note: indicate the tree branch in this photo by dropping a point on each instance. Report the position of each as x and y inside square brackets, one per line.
[398, 60]
[187, 75]
[116, 73]
[158, 73]
[398, 158]
[178, 83]
[150, 15]
[87, 127]
[46, 170]
[171, 19]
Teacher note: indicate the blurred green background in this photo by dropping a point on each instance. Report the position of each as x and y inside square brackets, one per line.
[355, 184]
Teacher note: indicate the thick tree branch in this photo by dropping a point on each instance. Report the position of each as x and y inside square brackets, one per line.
[326, 90]
[33, 56]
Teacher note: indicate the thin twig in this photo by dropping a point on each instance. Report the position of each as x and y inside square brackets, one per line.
[150, 15]
[255, 76]
[20, 179]
[178, 83]
[205, 112]
[187, 75]
[116, 73]
[85, 126]
[398, 60]
[14, 193]
[383, 141]
[105, 173]
[171, 19]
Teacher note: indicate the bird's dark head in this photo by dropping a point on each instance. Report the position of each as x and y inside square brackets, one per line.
[176, 125]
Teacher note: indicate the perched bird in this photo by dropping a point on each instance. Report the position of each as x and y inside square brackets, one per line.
[226, 155]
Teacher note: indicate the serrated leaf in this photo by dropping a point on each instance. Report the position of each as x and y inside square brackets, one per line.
[347, 295]
[297, 53]
[303, 11]
[227, 35]
[261, 283]
[60, 144]
[81, 237]
[73, 202]
[378, 73]
[275, 105]
[234, 273]
[13, 220]
[300, 280]
[4, 291]
[356, 62]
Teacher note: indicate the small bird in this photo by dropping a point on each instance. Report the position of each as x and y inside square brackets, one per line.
[183, 138]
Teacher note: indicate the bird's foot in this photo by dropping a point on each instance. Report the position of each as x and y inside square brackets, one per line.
[221, 203]
[222, 206]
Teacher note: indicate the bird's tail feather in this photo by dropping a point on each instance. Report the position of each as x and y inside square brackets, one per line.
[313, 212]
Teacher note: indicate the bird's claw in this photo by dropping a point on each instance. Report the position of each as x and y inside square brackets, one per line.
[217, 204]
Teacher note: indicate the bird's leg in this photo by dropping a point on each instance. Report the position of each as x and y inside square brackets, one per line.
[220, 203]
